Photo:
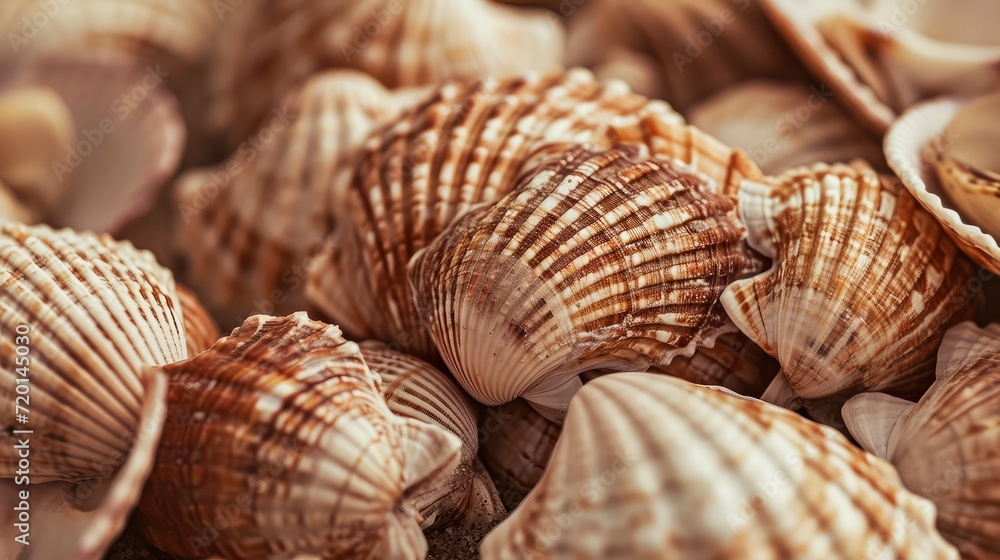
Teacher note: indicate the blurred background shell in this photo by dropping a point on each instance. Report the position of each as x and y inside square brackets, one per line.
[282, 428]
[595, 260]
[730, 477]
[270, 46]
[947, 446]
[733, 362]
[200, 331]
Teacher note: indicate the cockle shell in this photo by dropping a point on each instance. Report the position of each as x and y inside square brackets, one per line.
[947, 446]
[785, 125]
[655, 467]
[881, 56]
[733, 362]
[200, 331]
[278, 442]
[863, 283]
[415, 389]
[516, 443]
[270, 46]
[249, 227]
[596, 260]
[912, 147]
[96, 313]
[466, 144]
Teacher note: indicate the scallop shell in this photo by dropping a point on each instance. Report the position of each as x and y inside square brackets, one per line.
[467, 144]
[97, 311]
[516, 443]
[912, 148]
[281, 431]
[731, 478]
[200, 331]
[415, 389]
[947, 446]
[81, 521]
[270, 46]
[881, 56]
[249, 227]
[862, 284]
[697, 47]
[596, 260]
[733, 362]
[784, 125]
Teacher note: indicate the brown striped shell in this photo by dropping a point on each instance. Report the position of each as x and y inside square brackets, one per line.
[93, 313]
[268, 47]
[863, 283]
[278, 442]
[947, 446]
[656, 467]
[200, 331]
[415, 389]
[596, 260]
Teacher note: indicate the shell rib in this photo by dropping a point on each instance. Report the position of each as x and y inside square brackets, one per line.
[415, 389]
[596, 260]
[281, 429]
[97, 311]
[200, 331]
[270, 46]
[655, 467]
[947, 446]
[734, 362]
[863, 283]
[467, 144]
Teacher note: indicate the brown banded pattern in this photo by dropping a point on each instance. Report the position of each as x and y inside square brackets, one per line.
[734, 362]
[200, 331]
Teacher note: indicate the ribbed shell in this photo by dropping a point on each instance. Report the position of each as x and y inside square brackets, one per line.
[947, 446]
[281, 427]
[97, 312]
[864, 282]
[200, 331]
[415, 389]
[655, 467]
[596, 260]
[785, 125]
[268, 47]
[467, 144]
[249, 227]
[734, 362]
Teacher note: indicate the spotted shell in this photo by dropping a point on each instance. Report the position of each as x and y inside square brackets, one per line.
[278, 442]
[731, 477]
[596, 260]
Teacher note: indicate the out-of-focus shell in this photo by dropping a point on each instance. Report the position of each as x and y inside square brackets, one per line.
[281, 429]
[784, 125]
[415, 389]
[863, 283]
[14, 209]
[655, 467]
[96, 312]
[469, 144]
[697, 47]
[733, 362]
[249, 227]
[881, 56]
[516, 443]
[81, 521]
[947, 446]
[596, 260]
[270, 46]
[128, 143]
[913, 147]
[200, 331]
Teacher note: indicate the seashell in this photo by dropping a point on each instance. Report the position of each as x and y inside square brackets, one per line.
[281, 429]
[469, 144]
[14, 210]
[913, 147]
[881, 56]
[596, 260]
[785, 125]
[415, 389]
[249, 227]
[96, 312]
[862, 284]
[270, 46]
[697, 47]
[732, 477]
[200, 331]
[82, 521]
[947, 446]
[130, 138]
[517, 442]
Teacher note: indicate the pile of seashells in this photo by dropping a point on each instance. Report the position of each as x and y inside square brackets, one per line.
[532, 279]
